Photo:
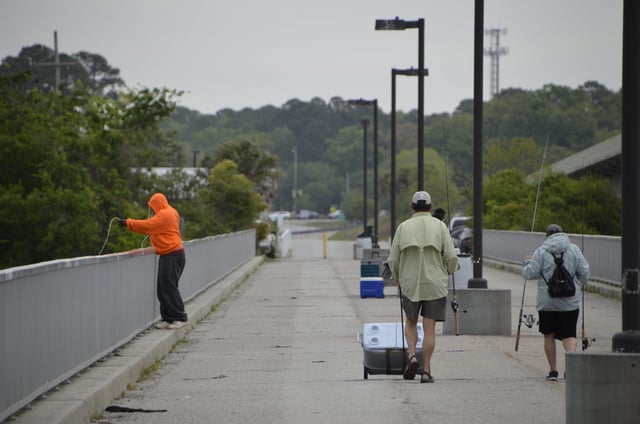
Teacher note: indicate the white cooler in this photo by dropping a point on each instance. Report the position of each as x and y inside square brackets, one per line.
[382, 347]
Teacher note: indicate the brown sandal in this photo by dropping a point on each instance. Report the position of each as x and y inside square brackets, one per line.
[412, 368]
[426, 377]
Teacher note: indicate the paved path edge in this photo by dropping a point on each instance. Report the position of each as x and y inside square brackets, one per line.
[88, 394]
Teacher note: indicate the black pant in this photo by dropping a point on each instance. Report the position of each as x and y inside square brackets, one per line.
[170, 268]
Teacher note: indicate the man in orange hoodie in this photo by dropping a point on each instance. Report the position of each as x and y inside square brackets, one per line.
[163, 230]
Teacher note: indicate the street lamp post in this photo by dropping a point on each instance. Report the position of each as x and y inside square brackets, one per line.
[374, 103]
[394, 72]
[400, 25]
[628, 340]
[364, 122]
[295, 179]
[477, 282]
[195, 157]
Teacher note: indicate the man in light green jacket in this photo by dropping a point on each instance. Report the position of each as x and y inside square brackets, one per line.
[421, 258]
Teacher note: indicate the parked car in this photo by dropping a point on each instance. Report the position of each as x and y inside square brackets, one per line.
[462, 237]
[307, 214]
[464, 240]
[458, 221]
[275, 215]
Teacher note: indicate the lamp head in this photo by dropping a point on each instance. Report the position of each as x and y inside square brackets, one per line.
[411, 72]
[390, 24]
[361, 102]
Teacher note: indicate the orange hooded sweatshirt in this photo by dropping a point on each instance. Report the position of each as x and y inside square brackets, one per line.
[163, 227]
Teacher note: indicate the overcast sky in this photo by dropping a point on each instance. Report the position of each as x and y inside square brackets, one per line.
[251, 53]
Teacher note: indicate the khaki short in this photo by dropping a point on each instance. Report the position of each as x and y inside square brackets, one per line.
[432, 309]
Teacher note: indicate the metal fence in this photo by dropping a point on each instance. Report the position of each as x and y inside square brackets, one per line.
[58, 317]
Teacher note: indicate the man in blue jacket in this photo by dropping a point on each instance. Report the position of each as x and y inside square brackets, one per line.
[557, 316]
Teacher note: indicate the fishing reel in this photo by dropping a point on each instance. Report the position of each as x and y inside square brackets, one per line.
[587, 342]
[528, 320]
[456, 307]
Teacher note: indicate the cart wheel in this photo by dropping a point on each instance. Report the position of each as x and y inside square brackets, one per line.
[366, 373]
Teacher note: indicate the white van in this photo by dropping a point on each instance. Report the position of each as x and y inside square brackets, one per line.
[458, 221]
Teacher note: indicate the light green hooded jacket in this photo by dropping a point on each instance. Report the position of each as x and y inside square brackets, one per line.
[422, 257]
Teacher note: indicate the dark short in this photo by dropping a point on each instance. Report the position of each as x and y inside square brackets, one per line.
[432, 309]
[562, 324]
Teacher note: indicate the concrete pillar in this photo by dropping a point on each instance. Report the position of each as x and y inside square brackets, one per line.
[602, 387]
[488, 312]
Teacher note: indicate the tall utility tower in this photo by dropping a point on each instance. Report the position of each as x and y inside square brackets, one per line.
[495, 51]
[56, 62]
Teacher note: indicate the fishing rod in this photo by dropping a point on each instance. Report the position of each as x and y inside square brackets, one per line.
[529, 320]
[454, 300]
[116, 219]
[113, 220]
[535, 207]
[586, 342]
[404, 349]
[520, 317]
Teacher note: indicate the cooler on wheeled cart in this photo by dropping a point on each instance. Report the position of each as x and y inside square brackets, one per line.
[383, 348]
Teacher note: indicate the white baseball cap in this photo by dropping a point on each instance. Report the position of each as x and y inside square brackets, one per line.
[421, 197]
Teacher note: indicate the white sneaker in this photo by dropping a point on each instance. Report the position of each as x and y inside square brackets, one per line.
[161, 325]
[176, 324]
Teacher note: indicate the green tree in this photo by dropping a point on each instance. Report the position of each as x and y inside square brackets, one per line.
[255, 163]
[507, 201]
[252, 161]
[323, 186]
[437, 181]
[73, 175]
[455, 137]
[510, 200]
[227, 203]
[521, 153]
[82, 69]
[345, 149]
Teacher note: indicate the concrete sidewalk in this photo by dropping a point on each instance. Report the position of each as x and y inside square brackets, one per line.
[282, 348]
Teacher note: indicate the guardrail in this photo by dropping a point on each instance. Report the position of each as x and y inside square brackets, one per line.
[603, 253]
[58, 317]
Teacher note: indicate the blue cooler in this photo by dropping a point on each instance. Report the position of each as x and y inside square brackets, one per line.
[371, 287]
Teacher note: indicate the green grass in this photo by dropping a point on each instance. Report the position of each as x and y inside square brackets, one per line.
[150, 370]
[96, 417]
[350, 233]
[333, 224]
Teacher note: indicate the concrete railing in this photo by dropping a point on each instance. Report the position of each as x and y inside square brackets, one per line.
[58, 317]
[602, 252]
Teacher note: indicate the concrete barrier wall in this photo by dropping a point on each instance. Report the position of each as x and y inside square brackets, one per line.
[602, 387]
[604, 253]
[58, 317]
